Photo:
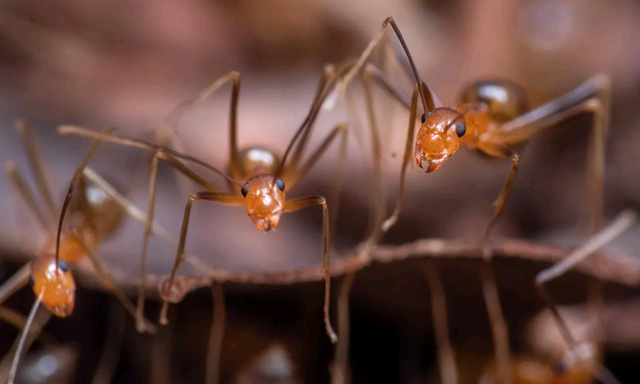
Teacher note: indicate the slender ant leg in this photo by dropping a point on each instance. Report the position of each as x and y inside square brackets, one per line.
[297, 204]
[339, 370]
[620, 224]
[210, 196]
[214, 351]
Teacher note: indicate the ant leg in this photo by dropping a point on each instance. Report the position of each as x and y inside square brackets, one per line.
[42, 317]
[21, 277]
[309, 120]
[340, 128]
[214, 351]
[487, 278]
[18, 320]
[499, 327]
[210, 196]
[108, 282]
[373, 73]
[131, 209]
[145, 245]
[113, 345]
[336, 191]
[378, 196]
[139, 215]
[446, 358]
[167, 133]
[22, 339]
[162, 152]
[498, 150]
[295, 205]
[33, 153]
[340, 367]
[160, 370]
[389, 222]
[15, 283]
[177, 112]
[593, 96]
[327, 78]
[622, 222]
[22, 190]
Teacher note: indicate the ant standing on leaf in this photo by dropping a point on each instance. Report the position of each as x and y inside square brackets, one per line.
[266, 177]
[493, 116]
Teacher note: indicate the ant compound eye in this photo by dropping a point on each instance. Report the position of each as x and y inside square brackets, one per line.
[32, 280]
[63, 266]
[560, 367]
[423, 118]
[244, 189]
[461, 129]
[280, 184]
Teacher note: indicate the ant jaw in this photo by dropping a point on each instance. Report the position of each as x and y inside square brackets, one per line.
[62, 311]
[267, 224]
[429, 165]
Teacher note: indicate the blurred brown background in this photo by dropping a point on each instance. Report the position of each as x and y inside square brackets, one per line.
[128, 64]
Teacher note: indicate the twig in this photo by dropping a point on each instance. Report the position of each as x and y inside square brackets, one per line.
[621, 269]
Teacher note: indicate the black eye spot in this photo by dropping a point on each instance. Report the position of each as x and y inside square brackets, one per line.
[560, 367]
[461, 129]
[244, 189]
[32, 280]
[63, 266]
[424, 118]
[280, 184]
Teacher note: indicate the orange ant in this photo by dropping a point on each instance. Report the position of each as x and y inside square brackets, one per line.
[493, 116]
[97, 212]
[265, 175]
[579, 361]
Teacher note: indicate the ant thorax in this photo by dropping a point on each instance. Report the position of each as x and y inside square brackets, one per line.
[264, 200]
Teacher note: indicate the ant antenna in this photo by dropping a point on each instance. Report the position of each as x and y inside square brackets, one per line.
[23, 337]
[315, 109]
[74, 179]
[389, 20]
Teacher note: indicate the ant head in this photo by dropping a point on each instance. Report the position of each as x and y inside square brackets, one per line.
[264, 200]
[439, 137]
[56, 285]
[93, 202]
[257, 158]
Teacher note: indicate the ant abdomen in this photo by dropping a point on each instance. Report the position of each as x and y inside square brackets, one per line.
[255, 160]
[101, 210]
[506, 99]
